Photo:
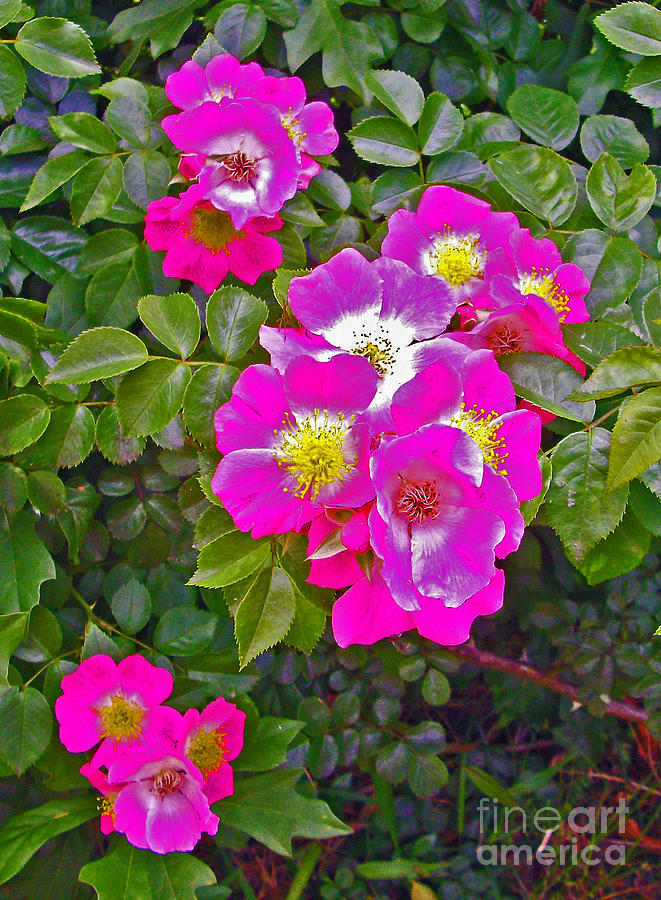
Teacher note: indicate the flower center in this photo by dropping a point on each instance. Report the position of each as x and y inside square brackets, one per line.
[382, 358]
[167, 781]
[313, 452]
[505, 340]
[219, 93]
[542, 284]
[208, 750]
[293, 128]
[480, 426]
[213, 228]
[239, 166]
[419, 501]
[121, 718]
[106, 805]
[458, 258]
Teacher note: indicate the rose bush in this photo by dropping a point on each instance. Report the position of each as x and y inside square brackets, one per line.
[327, 340]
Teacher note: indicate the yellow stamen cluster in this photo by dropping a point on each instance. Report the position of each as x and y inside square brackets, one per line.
[382, 358]
[121, 718]
[458, 258]
[542, 284]
[214, 229]
[313, 452]
[419, 501]
[485, 431]
[293, 128]
[208, 750]
[106, 806]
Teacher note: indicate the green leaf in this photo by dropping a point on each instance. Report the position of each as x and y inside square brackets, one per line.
[96, 187]
[577, 506]
[9, 9]
[620, 201]
[547, 382]
[12, 631]
[548, 116]
[422, 27]
[52, 175]
[99, 353]
[228, 559]
[173, 320]
[530, 508]
[398, 92]
[112, 441]
[619, 553]
[614, 135]
[151, 16]
[130, 118]
[23, 419]
[592, 77]
[540, 180]
[435, 688]
[234, 318]
[441, 124]
[131, 606]
[85, 131]
[146, 176]
[644, 82]
[48, 246]
[12, 82]
[624, 369]
[612, 265]
[636, 442]
[395, 188]
[57, 47]
[265, 745]
[22, 835]
[488, 786]
[149, 397]
[241, 29]
[142, 875]
[27, 726]
[185, 631]
[20, 139]
[24, 564]
[348, 48]
[66, 442]
[427, 775]
[632, 26]
[111, 297]
[307, 625]
[116, 244]
[46, 492]
[264, 615]
[268, 808]
[386, 141]
[209, 388]
[594, 341]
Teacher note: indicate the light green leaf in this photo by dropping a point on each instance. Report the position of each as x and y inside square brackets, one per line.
[24, 564]
[620, 201]
[27, 723]
[131, 874]
[398, 92]
[209, 388]
[185, 631]
[624, 369]
[619, 553]
[149, 397]
[264, 615]
[52, 175]
[540, 180]
[85, 131]
[577, 506]
[386, 141]
[146, 176]
[234, 318]
[644, 82]
[632, 26]
[548, 116]
[99, 353]
[96, 187]
[66, 442]
[265, 744]
[23, 419]
[22, 835]
[57, 47]
[636, 443]
[228, 559]
[268, 808]
[441, 124]
[13, 82]
[614, 135]
[173, 320]
[9, 9]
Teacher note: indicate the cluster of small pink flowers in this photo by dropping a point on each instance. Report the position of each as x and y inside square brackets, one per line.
[248, 142]
[392, 438]
[157, 771]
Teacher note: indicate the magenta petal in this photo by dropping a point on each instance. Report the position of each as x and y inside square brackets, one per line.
[486, 386]
[93, 678]
[151, 684]
[434, 395]
[188, 86]
[219, 784]
[503, 501]
[172, 824]
[335, 572]
[452, 626]
[286, 94]
[259, 495]
[317, 124]
[441, 205]
[80, 728]
[347, 285]
[131, 805]
[407, 241]
[285, 344]
[255, 254]
[345, 384]
[356, 533]
[367, 612]
[521, 431]
[257, 409]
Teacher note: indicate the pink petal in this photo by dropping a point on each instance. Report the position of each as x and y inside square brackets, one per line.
[257, 409]
[151, 684]
[367, 613]
[452, 626]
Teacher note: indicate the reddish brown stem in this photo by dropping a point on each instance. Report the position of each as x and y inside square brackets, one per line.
[470, 653]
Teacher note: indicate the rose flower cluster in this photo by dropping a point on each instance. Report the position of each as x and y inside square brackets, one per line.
[394, 440]
[248, 142]
[157, 771]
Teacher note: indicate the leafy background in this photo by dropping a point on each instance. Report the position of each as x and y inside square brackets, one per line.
[110, 539]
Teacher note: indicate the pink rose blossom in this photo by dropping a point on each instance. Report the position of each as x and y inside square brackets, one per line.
[441, 517]
[367, 613]
[203, 245]
[161, 805]
[211, 739]
[223, 78]
[109, 793]
[454, 237]
[292, 445]
[479, 399]
[109, 701]
[381, 310]
[335, 540]
[250, 162]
